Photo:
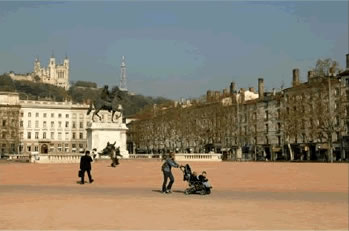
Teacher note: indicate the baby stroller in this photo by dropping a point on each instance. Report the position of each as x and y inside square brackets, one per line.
[195, 185]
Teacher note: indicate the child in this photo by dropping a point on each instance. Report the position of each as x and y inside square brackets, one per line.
[204, 180]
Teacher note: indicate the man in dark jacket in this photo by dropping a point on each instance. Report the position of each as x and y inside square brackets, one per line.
[85, 166]
[166, 170]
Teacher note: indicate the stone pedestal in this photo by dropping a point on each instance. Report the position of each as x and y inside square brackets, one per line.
[100, 133]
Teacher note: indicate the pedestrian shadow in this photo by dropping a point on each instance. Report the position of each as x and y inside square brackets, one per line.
[174, 191]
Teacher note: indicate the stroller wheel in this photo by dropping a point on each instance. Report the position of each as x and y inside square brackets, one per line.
[187, 192]
[203, 192]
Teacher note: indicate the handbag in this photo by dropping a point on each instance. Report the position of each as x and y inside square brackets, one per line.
[80, 173]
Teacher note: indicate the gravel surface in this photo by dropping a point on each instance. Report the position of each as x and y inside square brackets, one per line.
[245, 195]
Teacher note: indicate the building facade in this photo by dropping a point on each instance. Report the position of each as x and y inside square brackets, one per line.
[9, 123]
[308, 121]
[47, 126]
[55, 74]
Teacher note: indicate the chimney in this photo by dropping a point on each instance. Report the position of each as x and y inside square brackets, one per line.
[261, 88]
[347, 61]
[251, 89]
[295, 81]
[310, 75]
[232, 87]
[208, 95]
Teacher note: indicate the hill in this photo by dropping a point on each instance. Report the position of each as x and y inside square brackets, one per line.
[79, 92]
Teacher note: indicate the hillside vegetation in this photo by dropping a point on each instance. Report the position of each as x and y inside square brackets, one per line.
[79, 92]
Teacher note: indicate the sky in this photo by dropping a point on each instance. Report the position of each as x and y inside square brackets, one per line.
[175, 49]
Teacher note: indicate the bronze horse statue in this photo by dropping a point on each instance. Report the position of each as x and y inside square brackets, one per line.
[113, 152]
[105, 103]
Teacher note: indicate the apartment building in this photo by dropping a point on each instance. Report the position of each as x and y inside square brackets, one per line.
[47, 126]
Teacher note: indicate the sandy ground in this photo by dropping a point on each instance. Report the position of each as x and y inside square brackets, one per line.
[246, 195]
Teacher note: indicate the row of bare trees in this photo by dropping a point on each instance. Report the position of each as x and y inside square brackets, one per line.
[310, 113]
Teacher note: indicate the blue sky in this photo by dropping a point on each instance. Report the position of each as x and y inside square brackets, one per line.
[175, 49]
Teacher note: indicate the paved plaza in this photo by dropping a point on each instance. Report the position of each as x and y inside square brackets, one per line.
[246, 195]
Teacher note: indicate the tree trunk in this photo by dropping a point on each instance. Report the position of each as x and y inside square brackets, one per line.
[330, 152]
[291, 152]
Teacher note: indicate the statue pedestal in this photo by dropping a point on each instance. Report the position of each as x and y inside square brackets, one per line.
[100, 133]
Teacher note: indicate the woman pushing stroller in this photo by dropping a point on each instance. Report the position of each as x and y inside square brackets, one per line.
[166, 170]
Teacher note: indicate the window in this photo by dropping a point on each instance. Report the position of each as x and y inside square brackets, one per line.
[67, 124]
[29, 114]
[29, 135]
[60, 124]
[81, 147]
[66, 115]
[81, 125]
[278, 127]
[3, 147]
[45, 115]
[37, 114]
[29, 148]
[44, 124]
[60, 135]
[13, 148]
[59, 147]
[52, 124]
[36, 135]
[73, 148]
[81, 136]
[3, 123]
[21, 124]
[3, 135]
[36, 123]
[52, 148]
[44, 135]
[36, 148]
[59, 115]
[67, 136]
[74, 125]
[22, 114]
[52, 115]
[66, 147]
[52, 135]
[73, 136]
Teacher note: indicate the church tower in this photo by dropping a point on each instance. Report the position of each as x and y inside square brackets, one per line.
[37, 67]
[122, 85]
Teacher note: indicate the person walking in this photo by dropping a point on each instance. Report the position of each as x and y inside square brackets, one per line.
[166, 170]
[85, 166]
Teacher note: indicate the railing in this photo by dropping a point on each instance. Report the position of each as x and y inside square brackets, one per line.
[198, 157]
[75, 157]
[145, 156]
[18, 157]
[55, 158]
[182, 156]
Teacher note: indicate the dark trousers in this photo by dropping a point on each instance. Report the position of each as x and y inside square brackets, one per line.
[88, 174]
[166, 176]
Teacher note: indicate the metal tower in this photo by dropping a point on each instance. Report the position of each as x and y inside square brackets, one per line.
[122, 85]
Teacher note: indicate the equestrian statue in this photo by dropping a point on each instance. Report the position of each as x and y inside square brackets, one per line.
[113, 152]
[106, 101]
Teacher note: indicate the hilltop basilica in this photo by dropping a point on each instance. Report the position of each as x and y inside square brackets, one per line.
[55, 74]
